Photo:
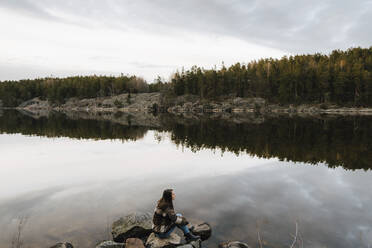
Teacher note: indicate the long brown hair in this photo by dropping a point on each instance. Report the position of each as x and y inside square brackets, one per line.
[166, 200]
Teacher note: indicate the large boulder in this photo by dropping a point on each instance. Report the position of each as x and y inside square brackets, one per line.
[233, 244]
[137, 225]
[154, 242]
[203, 230]
[110, 244]
[62, 245]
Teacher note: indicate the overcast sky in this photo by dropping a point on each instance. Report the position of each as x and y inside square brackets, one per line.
[157, 37]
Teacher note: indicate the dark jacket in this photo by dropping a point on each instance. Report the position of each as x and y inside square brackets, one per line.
[165, 218]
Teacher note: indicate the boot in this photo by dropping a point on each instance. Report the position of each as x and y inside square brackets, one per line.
[191, 237]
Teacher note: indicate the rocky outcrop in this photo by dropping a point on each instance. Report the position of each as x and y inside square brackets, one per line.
[143, 102]
[155, 102]
[194, 105]
[137, 225]
[233, 244]
[62, 245]
[235, 105]
[35, 104]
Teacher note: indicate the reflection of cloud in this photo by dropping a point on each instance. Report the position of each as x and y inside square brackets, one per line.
[24, 205]
[333, 212]
[276, 198]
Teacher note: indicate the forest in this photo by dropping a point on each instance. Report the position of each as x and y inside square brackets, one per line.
[57, 90]
[342, 77]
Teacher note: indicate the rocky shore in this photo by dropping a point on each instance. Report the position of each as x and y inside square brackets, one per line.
[187, 104]
[134, 231]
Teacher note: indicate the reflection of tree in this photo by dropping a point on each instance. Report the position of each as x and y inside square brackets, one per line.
[341, 141]
[58, 125]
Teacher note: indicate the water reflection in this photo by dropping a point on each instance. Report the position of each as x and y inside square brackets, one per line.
[336, 141]
[59, 125]
[73, 189]
[76, 199]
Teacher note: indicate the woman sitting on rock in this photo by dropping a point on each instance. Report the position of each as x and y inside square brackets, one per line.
[165, 219]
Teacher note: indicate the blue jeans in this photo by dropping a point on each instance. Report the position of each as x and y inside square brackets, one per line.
[184, 229]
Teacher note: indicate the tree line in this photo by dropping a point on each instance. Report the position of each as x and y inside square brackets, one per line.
[56, 90]
[342, 77]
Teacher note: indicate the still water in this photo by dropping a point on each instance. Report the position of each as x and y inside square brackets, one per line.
[68, 179]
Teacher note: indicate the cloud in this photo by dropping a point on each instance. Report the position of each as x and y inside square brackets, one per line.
[290, 25]
[153, 38]
[11, 71]
[28, 7]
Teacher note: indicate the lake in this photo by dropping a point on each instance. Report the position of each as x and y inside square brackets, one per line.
[67, 178]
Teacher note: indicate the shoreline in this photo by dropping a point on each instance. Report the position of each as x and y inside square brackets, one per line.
[187, 104]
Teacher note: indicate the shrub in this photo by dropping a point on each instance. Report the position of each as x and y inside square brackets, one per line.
[118, 103]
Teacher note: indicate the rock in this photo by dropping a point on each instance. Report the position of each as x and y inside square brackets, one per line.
[137, 225]
[63, 245]
[188, 106]
[110, 244]
[233, 244]
[134, 243]
[192, 244]
[35, 104]
[155, 242]
[203, 230]
[186, 246]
